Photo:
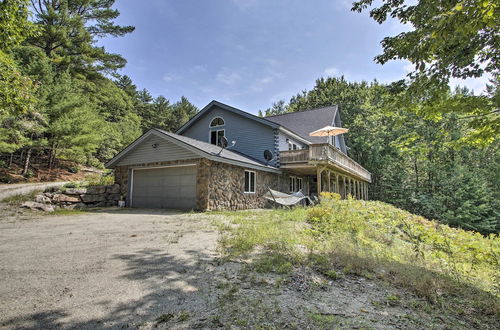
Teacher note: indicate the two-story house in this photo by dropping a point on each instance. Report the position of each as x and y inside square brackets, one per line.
[190, 170]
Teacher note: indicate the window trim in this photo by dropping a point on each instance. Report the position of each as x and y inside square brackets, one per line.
[294, 183]
[217, 132]
[214, 118]
[250, 182]
[301, 183]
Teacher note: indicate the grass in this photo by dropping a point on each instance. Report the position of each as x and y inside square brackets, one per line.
[67, 212]
[21, 198]
[453, 270]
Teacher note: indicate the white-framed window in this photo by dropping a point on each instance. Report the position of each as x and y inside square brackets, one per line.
[293, 146]
[217, 121]
[249, 182]
[295, 184]
[215, 136]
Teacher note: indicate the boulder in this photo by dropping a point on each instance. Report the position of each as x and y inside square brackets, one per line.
[38, 206]
[66, 198]
[98, 204]
[93, 198]
[75, 191]
[48, 194]
[42, 199]
[80, 206]
[95, 190]
[113, 197]
[113, 189]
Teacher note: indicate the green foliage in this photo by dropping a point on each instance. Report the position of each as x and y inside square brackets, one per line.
[18, 199]
[16, 90]
[375, 229]
[451, 268]
[104, 179]
[448, 39]
[420, 164]
[14, 23]
[69, 31]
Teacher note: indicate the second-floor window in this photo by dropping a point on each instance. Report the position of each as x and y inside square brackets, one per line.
[217, 121]
[215, 136]
[216, 130]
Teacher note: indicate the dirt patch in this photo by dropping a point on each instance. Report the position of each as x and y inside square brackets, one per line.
[65, 171]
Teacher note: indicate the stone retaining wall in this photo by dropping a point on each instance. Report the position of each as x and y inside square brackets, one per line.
[71, 198]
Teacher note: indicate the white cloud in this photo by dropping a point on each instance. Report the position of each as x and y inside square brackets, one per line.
[332, 71]
[409, 67]
[168, 77]
[478, 85]
[342, 5]
[259, 84]
[228, 78]
[244, 4]
[198, 68]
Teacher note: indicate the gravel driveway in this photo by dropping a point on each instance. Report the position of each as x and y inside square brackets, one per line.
[111, 269]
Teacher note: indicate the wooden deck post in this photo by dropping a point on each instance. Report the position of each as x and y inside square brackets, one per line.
[329, 181]
[344, 192]
[318, 180]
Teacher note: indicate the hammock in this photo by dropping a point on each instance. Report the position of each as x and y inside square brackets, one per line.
[285, 199]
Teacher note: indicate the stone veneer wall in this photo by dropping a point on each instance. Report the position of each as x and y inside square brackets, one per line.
[220, 186]
[227, 183]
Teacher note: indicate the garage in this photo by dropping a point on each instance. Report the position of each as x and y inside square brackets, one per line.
[164, 187]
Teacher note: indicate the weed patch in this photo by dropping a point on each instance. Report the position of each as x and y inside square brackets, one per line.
[450, 269]
[21, 198]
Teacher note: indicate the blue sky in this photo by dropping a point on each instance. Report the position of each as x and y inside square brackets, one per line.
[248, 53]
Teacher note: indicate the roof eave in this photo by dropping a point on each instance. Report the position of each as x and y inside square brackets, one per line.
[202, 153]
[225, 107]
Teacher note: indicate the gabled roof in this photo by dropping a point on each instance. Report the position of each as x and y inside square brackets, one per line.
[304, 122]
[201, 148]
[225, 107]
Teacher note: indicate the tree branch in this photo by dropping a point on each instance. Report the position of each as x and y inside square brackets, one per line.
[481, 115]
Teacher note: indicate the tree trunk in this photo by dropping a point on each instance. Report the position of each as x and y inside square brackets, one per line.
[11, 159]
[27, 162]
[417, 184]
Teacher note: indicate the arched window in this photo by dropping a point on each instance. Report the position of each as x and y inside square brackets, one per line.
[217, 121]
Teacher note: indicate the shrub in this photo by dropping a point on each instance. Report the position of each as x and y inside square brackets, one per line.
[74, 169]
[373, 239]
[100, 179]
[381, 231]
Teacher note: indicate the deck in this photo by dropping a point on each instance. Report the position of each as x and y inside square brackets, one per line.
[323, 154]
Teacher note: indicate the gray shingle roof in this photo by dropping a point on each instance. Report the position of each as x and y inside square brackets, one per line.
[215, 150]
[304, 122]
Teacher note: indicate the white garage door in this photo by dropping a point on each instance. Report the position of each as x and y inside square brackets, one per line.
[168, 187]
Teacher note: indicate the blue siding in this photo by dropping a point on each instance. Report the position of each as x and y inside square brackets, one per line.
[251, 137]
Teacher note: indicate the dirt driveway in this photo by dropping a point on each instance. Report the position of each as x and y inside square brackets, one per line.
[109, 269]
